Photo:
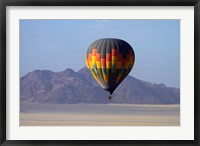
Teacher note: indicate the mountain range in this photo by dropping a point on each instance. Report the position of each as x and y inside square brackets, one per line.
[68, 86]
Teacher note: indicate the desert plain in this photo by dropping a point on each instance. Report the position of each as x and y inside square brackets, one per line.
[99, 115]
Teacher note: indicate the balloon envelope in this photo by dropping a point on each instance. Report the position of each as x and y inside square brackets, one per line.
[109, 61]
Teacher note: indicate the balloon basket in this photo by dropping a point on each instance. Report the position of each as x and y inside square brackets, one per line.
[109, 97]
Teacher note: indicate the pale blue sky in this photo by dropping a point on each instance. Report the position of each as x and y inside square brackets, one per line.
[59, 44]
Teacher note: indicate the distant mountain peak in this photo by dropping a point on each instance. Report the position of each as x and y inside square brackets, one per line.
[69, 70]
[68, 86]
[83, 70]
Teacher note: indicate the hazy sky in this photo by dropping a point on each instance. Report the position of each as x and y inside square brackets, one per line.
[59, 44]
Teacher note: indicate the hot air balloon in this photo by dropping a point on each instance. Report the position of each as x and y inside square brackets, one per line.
[109, 60]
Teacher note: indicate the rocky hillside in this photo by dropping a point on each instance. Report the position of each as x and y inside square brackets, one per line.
[43, 86]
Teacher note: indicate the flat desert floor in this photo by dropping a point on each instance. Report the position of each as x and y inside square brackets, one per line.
[99, 115]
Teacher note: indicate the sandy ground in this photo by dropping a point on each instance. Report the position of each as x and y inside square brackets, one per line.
[99, 115]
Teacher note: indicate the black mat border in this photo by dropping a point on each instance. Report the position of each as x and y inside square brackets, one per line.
[5, 3]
